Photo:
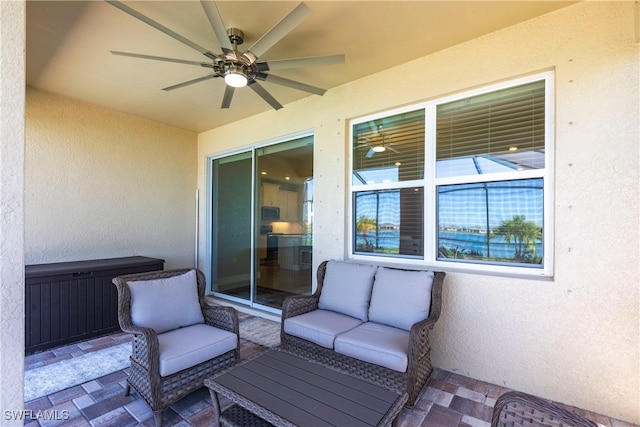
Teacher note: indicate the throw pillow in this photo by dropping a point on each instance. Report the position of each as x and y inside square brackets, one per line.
[346, 288]
[166, 304]
[400, 298]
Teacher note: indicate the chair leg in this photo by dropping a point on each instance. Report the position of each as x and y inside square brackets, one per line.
[127, 390]
[157, 416]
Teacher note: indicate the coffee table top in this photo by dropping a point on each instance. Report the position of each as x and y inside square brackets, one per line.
[287, 390]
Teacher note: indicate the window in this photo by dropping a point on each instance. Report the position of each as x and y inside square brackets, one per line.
[388, 172]
[462, 182]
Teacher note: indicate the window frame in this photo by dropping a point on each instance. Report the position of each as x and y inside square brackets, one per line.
[430, 184]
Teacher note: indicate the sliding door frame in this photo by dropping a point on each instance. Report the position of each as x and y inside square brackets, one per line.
[209, 208]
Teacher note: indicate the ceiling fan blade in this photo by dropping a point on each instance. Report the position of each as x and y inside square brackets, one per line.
[215, 19]
[161, 58]
[281, 29]
[390, 148]
[190, 82]
[281, 64]
[160, 27]
[228, 96]
[265, 95]
[375, 126]
[294, 85]
[370, 153]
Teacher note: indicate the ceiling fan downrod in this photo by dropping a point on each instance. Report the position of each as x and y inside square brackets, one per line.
[236, 73]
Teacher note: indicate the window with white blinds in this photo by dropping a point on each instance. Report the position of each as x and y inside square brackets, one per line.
[389, 149]
[388, 178]
[462, 181]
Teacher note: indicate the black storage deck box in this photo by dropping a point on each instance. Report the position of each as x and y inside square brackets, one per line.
[71, 301]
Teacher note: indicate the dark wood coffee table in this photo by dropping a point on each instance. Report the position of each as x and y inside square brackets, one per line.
[279, 388]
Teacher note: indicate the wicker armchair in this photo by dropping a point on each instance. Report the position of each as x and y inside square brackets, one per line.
[419, 353]
[519, 409]
[150, 349]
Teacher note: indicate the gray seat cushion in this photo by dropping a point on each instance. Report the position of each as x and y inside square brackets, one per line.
[400, 298]
[320, 326]
[186, 347]
[375, 343]
[166, 304]
[346, 288]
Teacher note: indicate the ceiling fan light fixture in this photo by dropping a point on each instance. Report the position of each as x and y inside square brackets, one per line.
[378, 148]
[235, 79]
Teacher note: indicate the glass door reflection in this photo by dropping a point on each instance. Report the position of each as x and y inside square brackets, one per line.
[231, 230]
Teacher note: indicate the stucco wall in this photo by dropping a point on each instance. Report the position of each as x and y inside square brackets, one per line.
[573, 338]
[12, 45]
[103, 184]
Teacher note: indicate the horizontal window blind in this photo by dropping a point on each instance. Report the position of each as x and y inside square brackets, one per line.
[389, 149]
[500, 131]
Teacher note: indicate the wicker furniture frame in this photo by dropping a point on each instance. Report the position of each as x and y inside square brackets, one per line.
[419, 353]
[289, 372]
[520, 409]
[144, 375]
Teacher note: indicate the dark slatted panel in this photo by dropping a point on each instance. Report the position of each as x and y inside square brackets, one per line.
[308, 394]
[264, 393]
[74, 309]
[45, 315]
[65, 306]
[365, 392]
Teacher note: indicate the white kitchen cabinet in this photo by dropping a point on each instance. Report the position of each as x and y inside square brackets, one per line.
[288, 201]
[270, 194]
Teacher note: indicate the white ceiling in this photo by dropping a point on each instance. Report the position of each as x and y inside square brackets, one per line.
[68, 46]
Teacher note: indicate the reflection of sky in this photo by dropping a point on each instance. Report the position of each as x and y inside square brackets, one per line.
[375, 175]
[459, 167]
[470, 166]
[387, 203]
[463, 205]
[485, 163]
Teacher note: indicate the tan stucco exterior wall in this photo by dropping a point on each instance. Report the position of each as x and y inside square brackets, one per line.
[103, 184]
[573, 338]
[12, 46]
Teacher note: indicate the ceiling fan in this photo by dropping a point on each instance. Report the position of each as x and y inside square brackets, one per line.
[239, 69]
[376, 141]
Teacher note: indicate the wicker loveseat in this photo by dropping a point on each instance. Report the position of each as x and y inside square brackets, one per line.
[178, 340]
[371, 322]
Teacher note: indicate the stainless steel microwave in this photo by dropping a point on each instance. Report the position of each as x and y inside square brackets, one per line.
[270, 213]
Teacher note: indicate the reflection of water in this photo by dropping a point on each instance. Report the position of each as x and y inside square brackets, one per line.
[387, 239]
[478, 244]
[471, 242]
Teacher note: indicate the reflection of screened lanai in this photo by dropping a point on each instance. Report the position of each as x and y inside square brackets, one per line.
[486, 205]
[484, 164]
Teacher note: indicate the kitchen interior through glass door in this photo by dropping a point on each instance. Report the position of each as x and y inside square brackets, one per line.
[284, 201]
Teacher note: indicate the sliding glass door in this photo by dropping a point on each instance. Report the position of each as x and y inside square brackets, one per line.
[231, 230]
[261, 224]
[284, 245]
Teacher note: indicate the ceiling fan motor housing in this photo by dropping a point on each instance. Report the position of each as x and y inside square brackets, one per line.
[236, 36]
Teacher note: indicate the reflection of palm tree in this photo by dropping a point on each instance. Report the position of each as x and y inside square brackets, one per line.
[363, 226]
[522, 233]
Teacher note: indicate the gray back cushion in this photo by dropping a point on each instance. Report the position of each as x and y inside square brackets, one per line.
[400, 298]
[346, 288]
[166, 304]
